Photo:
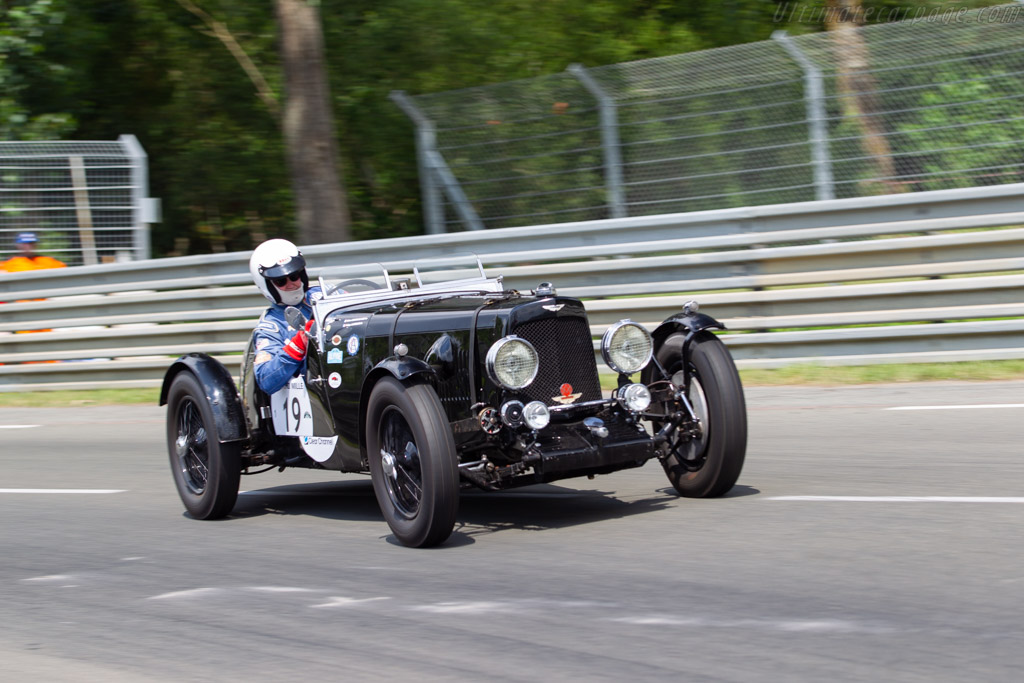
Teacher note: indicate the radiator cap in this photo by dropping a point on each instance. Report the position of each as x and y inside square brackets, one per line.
[545, 289]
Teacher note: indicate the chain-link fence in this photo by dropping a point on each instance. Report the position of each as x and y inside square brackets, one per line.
[85, 202]
[923, 104]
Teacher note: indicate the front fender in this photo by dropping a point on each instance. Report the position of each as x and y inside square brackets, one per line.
[221, 393]
[399, 368]
[687, 323]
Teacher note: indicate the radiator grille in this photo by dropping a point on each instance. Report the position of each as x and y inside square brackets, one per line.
[566, 356]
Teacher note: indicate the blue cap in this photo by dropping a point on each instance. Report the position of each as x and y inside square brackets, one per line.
[26, 238]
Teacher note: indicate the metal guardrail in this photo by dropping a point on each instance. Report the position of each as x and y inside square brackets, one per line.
[936, 280]
[540, 243]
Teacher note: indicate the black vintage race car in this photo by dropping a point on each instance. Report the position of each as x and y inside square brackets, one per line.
[446, 380]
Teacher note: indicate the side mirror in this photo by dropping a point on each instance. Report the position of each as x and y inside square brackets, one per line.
[296, 320]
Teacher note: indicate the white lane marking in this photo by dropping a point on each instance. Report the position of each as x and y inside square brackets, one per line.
[192, 593]
[17, 426]
[62, 490]
[789, 625]
[51, 577]
[466, 607]
[336, 601]
[960, 407]
[903, 499]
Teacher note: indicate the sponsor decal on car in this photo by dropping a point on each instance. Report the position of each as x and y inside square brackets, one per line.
[352, 321]
[319, 448]
[262, 357]
[336, 340]
[353, 345]
[567, 395]
[335, 356]
[334, 380]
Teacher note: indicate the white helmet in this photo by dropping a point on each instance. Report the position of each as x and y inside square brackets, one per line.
[277, 259]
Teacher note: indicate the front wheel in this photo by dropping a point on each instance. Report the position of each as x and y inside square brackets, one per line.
[206, 472]
[412, 462]
[707, 463]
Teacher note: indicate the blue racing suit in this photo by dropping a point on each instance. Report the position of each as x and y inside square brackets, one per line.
[272, 365]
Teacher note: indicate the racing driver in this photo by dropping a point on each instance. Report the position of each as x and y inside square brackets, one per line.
[279, 271]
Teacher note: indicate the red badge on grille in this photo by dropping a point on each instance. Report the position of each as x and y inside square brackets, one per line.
[567, 395]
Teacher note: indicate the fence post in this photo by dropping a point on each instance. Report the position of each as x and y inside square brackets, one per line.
[83, 211]
[434, 172]
[609, 140]
[814, 100]
[144, 209]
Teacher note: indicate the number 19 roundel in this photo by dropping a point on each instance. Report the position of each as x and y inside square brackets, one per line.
[291, 410]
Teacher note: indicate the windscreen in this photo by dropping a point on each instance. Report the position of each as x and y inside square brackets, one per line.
[339, 281]
[448, 268]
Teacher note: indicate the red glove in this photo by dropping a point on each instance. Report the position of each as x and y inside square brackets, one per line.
[296, 346]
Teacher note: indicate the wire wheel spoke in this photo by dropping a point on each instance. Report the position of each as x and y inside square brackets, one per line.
[407, 484]
[192, 448]
[401, 464]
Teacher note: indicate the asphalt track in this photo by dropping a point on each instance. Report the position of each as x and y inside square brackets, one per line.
[862, 543]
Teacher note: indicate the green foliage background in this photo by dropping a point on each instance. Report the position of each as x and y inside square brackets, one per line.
[96, 69]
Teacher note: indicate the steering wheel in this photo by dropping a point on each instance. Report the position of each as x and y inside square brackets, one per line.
[354, 281]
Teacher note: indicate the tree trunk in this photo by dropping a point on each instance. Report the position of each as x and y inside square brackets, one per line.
[857, 90]
[312, 148]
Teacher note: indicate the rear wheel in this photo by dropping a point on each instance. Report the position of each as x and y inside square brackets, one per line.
[708, 463]
[412, 462]
[206, 472]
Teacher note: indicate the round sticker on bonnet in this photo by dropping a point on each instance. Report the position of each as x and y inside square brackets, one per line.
[334, 380]
[353, 345]
[336, 340]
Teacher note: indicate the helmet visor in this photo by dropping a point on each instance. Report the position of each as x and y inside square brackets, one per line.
[295, 264]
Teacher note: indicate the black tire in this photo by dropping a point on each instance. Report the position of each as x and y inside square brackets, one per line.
[206, 472]
[413, 463]
[708, 465]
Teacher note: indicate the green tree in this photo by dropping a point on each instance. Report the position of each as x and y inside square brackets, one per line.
[217, 151]
[24, 25]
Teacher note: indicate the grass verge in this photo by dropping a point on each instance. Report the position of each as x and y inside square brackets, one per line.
[78, 398]
[806, 375]
[823, 375]
[820, 375]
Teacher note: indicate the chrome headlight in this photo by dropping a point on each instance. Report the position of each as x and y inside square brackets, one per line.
[536, 415]
[626, 347]
[512, 362]
[634, 397]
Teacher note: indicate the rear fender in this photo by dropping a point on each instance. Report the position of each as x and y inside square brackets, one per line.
[221, 393]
